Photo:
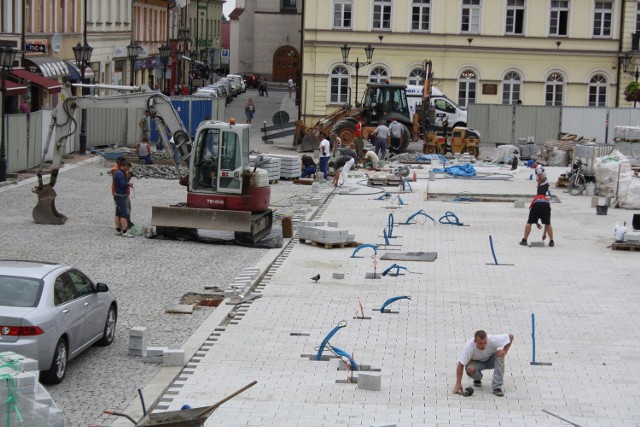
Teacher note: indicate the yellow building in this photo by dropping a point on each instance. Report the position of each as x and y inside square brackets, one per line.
[551, 52]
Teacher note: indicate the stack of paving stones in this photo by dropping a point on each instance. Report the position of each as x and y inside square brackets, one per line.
[330, 234]
[289, 165]
[242, 283]
[164, 355]
[272, 166]
[23, 400]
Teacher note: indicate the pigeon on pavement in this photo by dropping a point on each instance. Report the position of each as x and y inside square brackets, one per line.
[316, 278]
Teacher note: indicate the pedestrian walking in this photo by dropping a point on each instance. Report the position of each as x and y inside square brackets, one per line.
[249, 110]
[291, 86]
[382, 136]
[539, 210]
[541, 177]
[480, 353]
[121, 188]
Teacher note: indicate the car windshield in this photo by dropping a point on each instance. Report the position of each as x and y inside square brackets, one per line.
[19, 291]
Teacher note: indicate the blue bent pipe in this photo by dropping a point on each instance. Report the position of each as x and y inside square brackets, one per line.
[390, 300]
[328, 337]
[492, 251]
[342, 353]
[397, 267]
[446, 219]
[390, 224]
[533, 338]
[365, 245]
[404, 181]
[420, 212]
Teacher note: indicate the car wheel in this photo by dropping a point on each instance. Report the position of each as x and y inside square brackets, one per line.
[58, 368]
[109, 327]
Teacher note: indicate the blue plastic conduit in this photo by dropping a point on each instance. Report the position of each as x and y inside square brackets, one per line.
[328, 337]
[386, 237]
[366, 245]
[533, 338]
[342, 353]
[390, 224]
[492, 251]
[390, 300]
[397, 267]
[446, 219]
[420, 212]
[404, 181]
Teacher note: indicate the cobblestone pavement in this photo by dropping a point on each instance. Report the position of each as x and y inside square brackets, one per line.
[145, 275]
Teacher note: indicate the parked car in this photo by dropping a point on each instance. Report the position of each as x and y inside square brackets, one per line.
[251, 79]
[52, 313]
[225, 89]
[209, 92]
[235, 87]
[238, 79]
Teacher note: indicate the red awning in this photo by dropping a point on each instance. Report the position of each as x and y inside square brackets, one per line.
[51, 85]
[14, 89]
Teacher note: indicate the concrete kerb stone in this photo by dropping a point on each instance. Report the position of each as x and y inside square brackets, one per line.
[155, 389]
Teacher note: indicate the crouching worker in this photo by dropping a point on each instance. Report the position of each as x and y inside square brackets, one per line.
[539, 210]
[483, 352]
[144, 151]
[308, 166]
[342, 166]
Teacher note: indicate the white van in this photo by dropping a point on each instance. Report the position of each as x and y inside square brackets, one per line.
[456, 116]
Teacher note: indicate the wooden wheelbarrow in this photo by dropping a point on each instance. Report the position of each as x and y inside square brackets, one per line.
[194, 417]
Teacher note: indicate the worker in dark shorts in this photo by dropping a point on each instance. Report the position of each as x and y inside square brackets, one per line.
[539, 210]
[541, 177]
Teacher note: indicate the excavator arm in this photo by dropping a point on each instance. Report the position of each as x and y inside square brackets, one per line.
[171, 129]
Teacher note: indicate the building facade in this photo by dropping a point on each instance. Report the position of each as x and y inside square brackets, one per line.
[552, 52]
[265, 38]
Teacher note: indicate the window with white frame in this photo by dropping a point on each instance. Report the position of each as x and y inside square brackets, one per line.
[378, 75]
[420, 15]
[515, 17]
[602, 15]
[339, 85]
[415, 77]
[553, 89]
[511, 86]
[559, 17]
[598, 91]
[381, 14]
[467, 84]
[470, 16]
[342, 13]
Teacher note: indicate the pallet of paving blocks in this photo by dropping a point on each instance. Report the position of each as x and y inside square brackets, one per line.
[23, 400]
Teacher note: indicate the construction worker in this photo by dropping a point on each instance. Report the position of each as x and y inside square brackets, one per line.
[541, 177]
[539, 210]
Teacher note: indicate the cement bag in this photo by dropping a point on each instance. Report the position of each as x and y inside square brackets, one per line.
[630, 197]
[504, 153]
[558, 157]
[607, 169]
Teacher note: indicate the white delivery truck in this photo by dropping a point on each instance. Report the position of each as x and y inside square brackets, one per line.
[456, 116]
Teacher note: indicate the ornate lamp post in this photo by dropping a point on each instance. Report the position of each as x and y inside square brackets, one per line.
[345, 59]
[82, 54]
[626, 61]
[7, 58]
[133, 50]
[165, 52]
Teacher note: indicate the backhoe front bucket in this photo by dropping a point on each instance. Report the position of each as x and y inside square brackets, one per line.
[45, 211]
[309, 143]
[208, 219]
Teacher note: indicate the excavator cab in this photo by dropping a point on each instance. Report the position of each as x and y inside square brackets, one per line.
[385, 101]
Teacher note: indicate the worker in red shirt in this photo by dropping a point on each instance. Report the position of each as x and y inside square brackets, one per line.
[360, 138]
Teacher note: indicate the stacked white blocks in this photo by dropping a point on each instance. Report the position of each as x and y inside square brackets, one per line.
[164, 355]
[138, 341]
[23, 400]
[317, 231]
[242, 283]
[289, 165]
[272, 166]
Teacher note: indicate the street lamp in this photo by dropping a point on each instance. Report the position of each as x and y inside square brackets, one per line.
[345, 59]
[7, 58]
[626, 61]
[165, 51]
[82, 53]
[133, 50]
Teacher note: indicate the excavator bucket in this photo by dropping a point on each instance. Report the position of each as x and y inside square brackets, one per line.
[309, 143]
[208, 219]
[45, 211]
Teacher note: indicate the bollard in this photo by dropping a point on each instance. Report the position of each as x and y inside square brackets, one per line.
[287, 227]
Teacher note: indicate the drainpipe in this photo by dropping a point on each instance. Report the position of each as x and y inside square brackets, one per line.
[618, 71]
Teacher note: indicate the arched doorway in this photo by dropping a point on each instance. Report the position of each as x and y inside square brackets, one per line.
[286, 63]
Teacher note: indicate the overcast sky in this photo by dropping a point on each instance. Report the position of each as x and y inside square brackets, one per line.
[228, 7]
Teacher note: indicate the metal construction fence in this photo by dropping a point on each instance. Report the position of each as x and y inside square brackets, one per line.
[505, 124]
[26, 138]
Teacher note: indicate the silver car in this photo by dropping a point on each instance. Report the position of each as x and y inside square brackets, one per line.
[52, 313]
